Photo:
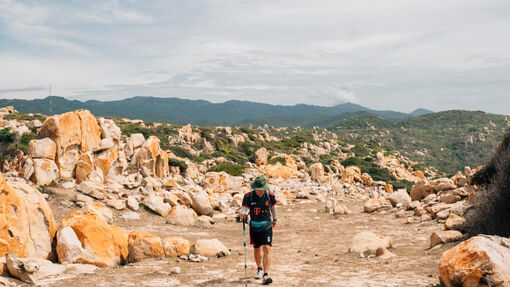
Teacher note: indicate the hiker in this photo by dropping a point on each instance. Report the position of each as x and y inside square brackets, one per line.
[260, 205]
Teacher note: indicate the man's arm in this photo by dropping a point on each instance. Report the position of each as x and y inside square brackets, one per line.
[273, 212]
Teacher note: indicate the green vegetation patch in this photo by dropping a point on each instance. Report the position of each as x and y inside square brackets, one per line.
[230, 168]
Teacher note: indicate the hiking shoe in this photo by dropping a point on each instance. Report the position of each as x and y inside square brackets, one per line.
[259, 274]
[267, 280]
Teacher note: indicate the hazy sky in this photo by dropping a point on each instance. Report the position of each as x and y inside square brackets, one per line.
[392, 54]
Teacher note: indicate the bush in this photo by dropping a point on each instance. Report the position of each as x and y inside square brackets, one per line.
[230, 168]
[180, 152]
[181, 164]
[489, 171]
[490, 213]
[6, 137]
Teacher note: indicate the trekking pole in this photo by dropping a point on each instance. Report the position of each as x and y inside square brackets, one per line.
[245, 266]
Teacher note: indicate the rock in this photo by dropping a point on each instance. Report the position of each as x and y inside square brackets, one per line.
[480, 261]
[69, 185]
[421, 189]
[143, 245]
[261, 156]
[181, 215]
[176, 246]
[175, 270]
[443, 214]
[450, 198]
[445, 236]
[101, 244]
[132, 203]
[454, 221]
[130, 215]
[27, 225]
[209, 248]
[372, 205]
[91, 189]
[317, 172]
[400, 196]
[443, 184]
[341, 210]
[351, 174]
[118, 204]
[151, 158]
[279, 171]
[368, 242]
[203, 222]
[425, 217]
[32, 270]
[156, 204]
[45, 171]
[388, 188]
[109, 130]
[104, 212]
[367, 179]
[74, 133]
[44, 148]
[200, 203]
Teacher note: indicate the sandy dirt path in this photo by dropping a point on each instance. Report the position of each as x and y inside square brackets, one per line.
[309, 249]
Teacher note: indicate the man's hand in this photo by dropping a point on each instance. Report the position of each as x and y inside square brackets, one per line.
[274, 224]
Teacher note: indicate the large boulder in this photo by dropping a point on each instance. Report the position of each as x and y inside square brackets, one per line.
[32, 270]
[156, 203]
[27, 225]
[371, 205]
[44, 148]
[261, 156]
[480, 261]
[175, 246]
[443, 184]
[110, 130]
[351, 174]
[317, 172]
[181, 215]
[143, 245]
[279, 171]
[45, 171]
[369, 242]
[219, 182]
[209, 248]
[200, 203]
[102, 244]
[421, 190]
[74, 133]
[104, 212]
[401, 196]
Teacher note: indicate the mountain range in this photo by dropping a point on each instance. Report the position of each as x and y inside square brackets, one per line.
[204, 113]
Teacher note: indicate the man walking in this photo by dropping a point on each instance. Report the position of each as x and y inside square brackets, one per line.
[260, 205]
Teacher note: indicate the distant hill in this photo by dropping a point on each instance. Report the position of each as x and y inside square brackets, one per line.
[446, 140]
[200, 112]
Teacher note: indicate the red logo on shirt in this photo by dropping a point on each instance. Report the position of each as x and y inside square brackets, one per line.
[267, 202]
[256, 210]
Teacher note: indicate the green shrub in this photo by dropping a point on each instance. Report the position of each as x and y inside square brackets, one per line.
[6, 137]
[180, 152]
[181, 164]
[276, 159]
[27, 137]
[230, 168]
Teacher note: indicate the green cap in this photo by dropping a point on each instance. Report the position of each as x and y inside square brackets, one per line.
[259, 183]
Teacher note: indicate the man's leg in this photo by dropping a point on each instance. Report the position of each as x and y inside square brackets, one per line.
[257, 253]
[267, 258]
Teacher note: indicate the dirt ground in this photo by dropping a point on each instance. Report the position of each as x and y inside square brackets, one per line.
[309, 249]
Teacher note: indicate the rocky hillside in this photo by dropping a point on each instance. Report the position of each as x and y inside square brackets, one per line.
[447, 140]
[80, 195]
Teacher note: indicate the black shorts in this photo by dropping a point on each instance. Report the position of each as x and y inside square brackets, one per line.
[259, 238]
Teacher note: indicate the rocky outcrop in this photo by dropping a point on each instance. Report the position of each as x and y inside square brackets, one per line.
[317, 172]
[181, 215]
[27, 225]
[279, 171]
[74, 133]
[480, 261]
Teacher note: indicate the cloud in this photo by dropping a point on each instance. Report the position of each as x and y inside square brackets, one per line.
[391, 54]
[20, 90]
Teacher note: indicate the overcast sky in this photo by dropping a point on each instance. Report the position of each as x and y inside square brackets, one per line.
[392, 54]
